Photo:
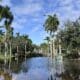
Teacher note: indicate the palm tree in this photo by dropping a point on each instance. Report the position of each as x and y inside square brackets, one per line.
[9, 17]
[51, 25]
[10, 38]
[5, 13]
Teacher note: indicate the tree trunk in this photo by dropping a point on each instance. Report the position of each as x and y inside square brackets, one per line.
[10, 50]
[25, 52]
[17, 53]
[0, 48]
[10, 55]
[6, 46]
[53, 55]
[60, 47]
[5, 52]
[17, 49]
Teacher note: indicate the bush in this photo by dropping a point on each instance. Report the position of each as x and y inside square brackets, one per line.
[73, 55]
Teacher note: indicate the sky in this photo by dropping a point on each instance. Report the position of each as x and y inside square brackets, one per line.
[29, 15]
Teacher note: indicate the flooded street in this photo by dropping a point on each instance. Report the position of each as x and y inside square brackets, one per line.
[39, 68]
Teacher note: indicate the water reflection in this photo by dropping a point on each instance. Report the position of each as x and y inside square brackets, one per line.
[32, 69]
[5, 75]
[72, 69]
[39, 69]
[33, 63]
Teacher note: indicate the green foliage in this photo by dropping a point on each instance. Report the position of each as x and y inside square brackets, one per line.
[11, 42]
[51, 24]
[21, 41]
[44, 46]
[1, 36]
[47, 38]
[34, 55]
[6, 13]
[70, 37]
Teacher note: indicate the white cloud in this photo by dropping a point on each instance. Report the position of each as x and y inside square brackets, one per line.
[18, 23]
[17, 26]
[66, 2]
[68, 9]
[6, 2]
[35, 29]
[65, 9]
[28, 9]
[22, 21]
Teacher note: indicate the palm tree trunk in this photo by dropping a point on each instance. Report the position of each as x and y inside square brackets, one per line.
[17, 50]
[25, 52]
[48, 49]
[59, 47]
[53, 53]
[5, 52]
[6, 47]
[10, 54]
[17, 53]
[53, 59]
[0, 48]
[60, 51]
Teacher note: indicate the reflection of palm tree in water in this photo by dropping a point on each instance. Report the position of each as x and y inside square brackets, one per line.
[6, 69]
[5, 75]
[51, 78]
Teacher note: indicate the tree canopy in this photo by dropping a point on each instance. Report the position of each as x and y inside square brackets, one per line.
[51, 23]
[70, 36]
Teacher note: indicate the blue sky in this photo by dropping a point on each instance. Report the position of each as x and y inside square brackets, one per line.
[29, 15]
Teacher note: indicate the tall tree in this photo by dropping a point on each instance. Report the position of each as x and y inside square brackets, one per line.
[10, 40]
[70, 37]
[6, 14]
[51, 25]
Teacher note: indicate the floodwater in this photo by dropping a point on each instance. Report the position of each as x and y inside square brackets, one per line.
[40, 68]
